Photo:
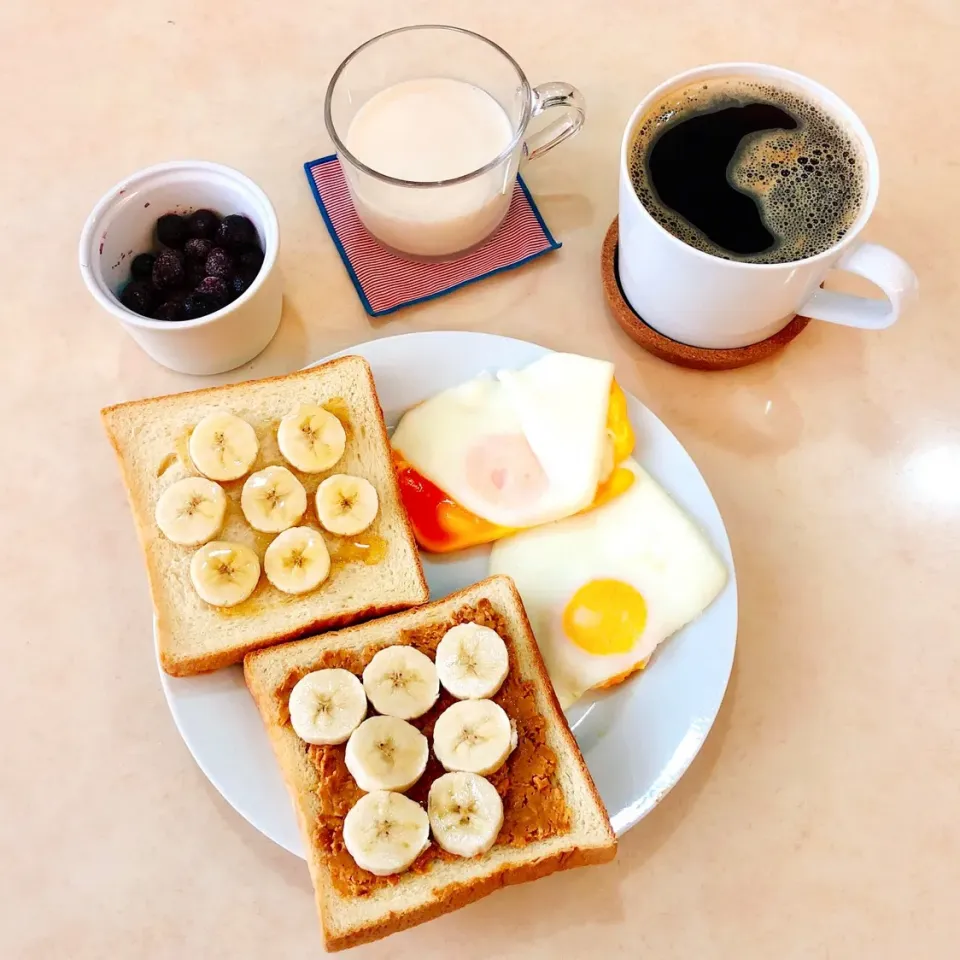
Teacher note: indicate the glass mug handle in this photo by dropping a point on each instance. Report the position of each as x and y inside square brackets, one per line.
[550, 96]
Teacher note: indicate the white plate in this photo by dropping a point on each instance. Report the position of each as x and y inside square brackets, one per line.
[637, 739]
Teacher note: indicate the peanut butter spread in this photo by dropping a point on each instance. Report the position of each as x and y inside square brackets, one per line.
[534, 807]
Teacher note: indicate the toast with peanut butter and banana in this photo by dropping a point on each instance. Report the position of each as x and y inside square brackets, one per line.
[428, 760]
[266, 511]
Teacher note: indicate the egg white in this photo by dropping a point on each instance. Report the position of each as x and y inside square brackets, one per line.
[641, 538]
[558, 403]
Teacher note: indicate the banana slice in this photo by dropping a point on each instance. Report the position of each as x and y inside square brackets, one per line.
[297, 561]
[346, 505]
[223, 447]
[473, 735]
[466, 813]
[472, 661]
[385, 832]
[224, 574]
[326, 706]
[401, 682]
[273, 499]
[191, 511]
[386, 753]
[311, 438]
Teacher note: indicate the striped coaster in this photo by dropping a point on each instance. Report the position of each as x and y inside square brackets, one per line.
[387, 282]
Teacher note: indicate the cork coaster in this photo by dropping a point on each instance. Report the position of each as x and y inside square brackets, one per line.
[696, 358]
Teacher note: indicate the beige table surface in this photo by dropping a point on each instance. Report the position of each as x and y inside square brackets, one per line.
[820, 819]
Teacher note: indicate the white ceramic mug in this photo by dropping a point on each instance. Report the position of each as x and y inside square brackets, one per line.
[706, 301]
[122, 224]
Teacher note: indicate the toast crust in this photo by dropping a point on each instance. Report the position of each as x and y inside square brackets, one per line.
[448, 886]
[202, 393]
[457, 895]
[180, 662]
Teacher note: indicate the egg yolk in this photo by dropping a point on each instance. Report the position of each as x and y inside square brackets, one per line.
[618, 424]
[605, 617]
[441, 525]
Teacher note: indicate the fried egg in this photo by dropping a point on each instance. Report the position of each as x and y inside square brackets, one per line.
[604, 589]
[526, 447]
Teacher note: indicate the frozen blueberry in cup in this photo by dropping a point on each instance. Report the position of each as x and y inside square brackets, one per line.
[237, 232]
[217, 288]
[172, 230]
[140, 297]
[141, 267]
[201, 262]
[250, 261]
[239, 284]
[198, 305]
[219, 263]
[202, 225]
[171, 310]
[196, 273]
[168, 270]
[197, 248]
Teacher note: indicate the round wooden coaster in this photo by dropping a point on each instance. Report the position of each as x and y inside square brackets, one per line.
[696, 358]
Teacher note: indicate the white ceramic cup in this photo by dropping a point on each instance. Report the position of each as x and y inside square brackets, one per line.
[122, 225]
[706, 301]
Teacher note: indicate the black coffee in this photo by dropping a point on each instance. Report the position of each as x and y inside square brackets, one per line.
[747, 171]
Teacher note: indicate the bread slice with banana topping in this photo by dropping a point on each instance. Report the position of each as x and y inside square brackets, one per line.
[260, 518]
[375, 867]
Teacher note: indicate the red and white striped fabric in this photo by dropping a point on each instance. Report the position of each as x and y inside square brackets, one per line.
[385, 281]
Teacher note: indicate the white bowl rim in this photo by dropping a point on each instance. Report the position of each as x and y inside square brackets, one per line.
[93, 278]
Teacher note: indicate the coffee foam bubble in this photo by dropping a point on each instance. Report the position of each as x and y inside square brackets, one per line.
[809, 183]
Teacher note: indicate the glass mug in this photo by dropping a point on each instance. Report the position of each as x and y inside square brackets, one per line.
[440, 219]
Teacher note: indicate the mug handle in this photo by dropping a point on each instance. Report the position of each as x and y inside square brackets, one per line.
[891, 273]
[547, 96]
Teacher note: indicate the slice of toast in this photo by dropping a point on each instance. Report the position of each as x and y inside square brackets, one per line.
[150, 438]
[553, 816]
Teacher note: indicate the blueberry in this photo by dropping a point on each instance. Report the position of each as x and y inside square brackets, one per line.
[236, 231]
[202, 225]
[196, 271]
[239, 284]
[168, 271]
[141, 267]
[171, 230]
[250, 262]
[198, 305]
[172, 310]
[197, 249]
[138, 297]
[219, 263]
[217, 288]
